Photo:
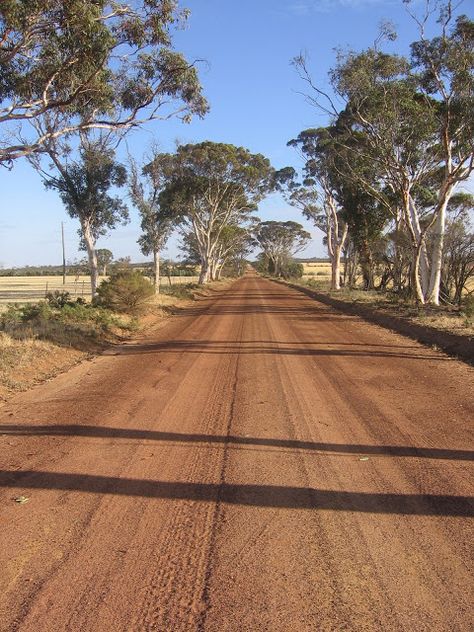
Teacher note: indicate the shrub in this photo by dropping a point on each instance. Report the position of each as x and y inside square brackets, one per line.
[38, 312]
[125, 291]
[467, 307]
[180, 290]
[293, 270]
[11, 317]
[58, 299]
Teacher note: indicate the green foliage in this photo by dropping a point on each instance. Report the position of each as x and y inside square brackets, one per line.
[183, 291]
[73, 324]
[145, 188]
[210, 188]
[279, 241]
[84, 185]
[75, 64]
[126, 291]
[213, 174]
[58, 299]
[104, 257]
[467, 307]
[293, 270]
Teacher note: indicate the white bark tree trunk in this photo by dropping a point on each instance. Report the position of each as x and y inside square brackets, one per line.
[91, 255]
[423, 262]
[204, 274]
[336, 270]
[438, 245]
[212, 270]
[156, 270]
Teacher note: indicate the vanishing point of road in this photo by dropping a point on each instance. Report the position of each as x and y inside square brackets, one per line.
[261, 463]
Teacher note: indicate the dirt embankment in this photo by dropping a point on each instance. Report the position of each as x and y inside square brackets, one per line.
[459, 346]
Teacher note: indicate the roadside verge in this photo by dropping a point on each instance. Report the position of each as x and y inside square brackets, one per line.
[461, 347]
[54, 341]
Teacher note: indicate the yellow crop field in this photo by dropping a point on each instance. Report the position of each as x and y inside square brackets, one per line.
[26, 289]
[320, 270]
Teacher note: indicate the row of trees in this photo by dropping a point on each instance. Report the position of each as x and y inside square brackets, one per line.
[75, 77]
[381, 179]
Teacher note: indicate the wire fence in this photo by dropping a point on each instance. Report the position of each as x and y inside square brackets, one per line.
[33, 289]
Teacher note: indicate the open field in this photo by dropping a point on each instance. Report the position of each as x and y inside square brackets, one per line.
[30, 289]
[320, 270]
[262, 462]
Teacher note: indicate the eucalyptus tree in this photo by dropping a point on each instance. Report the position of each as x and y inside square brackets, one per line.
[211, 186]
[412, 119]
[146, 184]
[458, 261]
[104, 258]
[72, 65]
[235, 244]
[84, 183]
[392, 126]
[279, 241]
[444, 68]
[316, 196]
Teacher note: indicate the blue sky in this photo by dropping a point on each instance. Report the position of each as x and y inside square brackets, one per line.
[253, 92]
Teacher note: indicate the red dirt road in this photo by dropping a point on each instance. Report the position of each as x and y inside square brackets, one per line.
[265, 463]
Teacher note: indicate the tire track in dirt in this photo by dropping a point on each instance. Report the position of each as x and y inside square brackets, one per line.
[239, 471]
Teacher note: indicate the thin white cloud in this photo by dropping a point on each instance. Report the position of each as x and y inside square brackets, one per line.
[305, 7]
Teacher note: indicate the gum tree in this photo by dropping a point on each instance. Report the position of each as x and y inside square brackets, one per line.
[279, 241]
[412, 119]
[316, 196]
[73, 65]
[212, 186]
[146, 185]
[84, 184]
[444, 67]
[104, 258]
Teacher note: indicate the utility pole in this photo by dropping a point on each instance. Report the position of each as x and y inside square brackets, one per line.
[64, 254]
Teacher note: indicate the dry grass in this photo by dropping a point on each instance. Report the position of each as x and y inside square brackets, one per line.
[320, 270]
[26, 362]
[33, 351]
[445, 318]
[32, 289]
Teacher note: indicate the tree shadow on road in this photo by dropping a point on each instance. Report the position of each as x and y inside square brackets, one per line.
[268, 347]
[76, 430]
[274, 496]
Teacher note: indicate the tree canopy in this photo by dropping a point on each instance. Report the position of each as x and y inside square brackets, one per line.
[211, 186]
[69, 65]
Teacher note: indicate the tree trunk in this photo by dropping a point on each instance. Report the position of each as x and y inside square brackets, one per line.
[419, 293]
[438, 243]
[335, 252]
[91, 255]
[420, 253]
[398, 255]
[204, 274]
[156, 270]
[213, 270]
[336, 269]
